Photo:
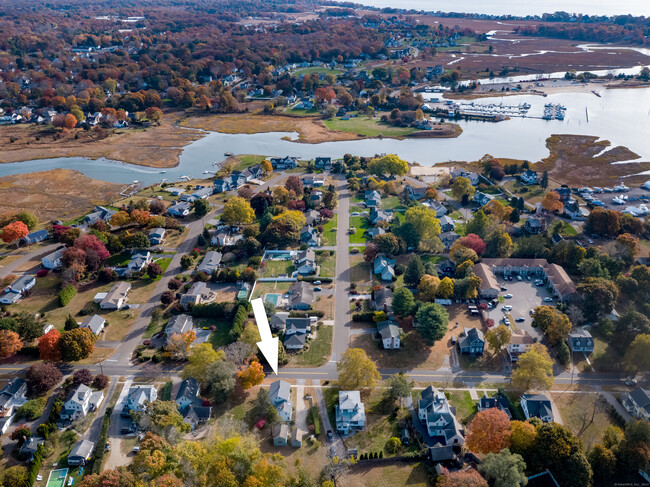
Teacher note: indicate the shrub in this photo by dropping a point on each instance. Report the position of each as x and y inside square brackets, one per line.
[100, 381]
[32, 409]
[103, 436]
[66, 294]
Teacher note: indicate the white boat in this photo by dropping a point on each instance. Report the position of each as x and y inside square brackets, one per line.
[135, 181]
[163, 180]
[163, 172]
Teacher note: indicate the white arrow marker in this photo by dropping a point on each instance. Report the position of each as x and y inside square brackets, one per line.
[269, 344]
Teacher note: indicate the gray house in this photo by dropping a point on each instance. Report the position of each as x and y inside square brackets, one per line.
[301, 296]
[538, 406]
[95, 323]
[280, 397]
[280, 434]
[210, 262]
[179, 324]
[472, 342]
[80, 453]
[580, 340]
[350, 412]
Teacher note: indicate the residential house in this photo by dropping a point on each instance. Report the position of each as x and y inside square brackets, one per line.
[448, 239]
[203, 193]
[187, 198]
[574, 211]
[309, 236]
[439, 208]
[175, 191]
[157, 236]
[313, 181]
[324, 163]
[80, 453]
[221, 185]
[316, 198]
[533, 225]
[30, 447]
[383, 300]
[482, 199]
[580, 340]
[472, 342]
[190, 405]
[80, 402]
[415, 192]
[35, 237]
[301, 296]
[280, 434]
[117, 297]
[489, 288]
[280, 396]
[281, 163]
[565, 193]
[196, 294]
[139, 261]
[17, 289]
[210, 262]
[179, 324]
[296, 437]
[538, 406]
[529, 177]
[180, 209]
[53, 261]
[350, 412]
[390, 334]
[278, 321]
[384, 267]
[138, 397]
[94, 323]
[12, 396]
[472, 176]
[637, 403]
[557, 238]
[375, 232]
[446, 224]
[296, 332]
[225, 236]
[498, 401]
[519, 342]
[377, 216]
[439, 418]
[312, 217]
[305, 262]
[372, 198]
[99, 213]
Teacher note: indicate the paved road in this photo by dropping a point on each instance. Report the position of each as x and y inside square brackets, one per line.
[342, 309]
[39, 252]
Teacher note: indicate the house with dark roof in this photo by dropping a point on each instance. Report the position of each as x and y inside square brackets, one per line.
[439, 417]
[157, 236]
[446, 224]
[580, 340]
[324, 163]
[305, 262]
[390, 334]
[472, 176]
[188, 392]
[280, 397]
[280, 434]
[472, 342]
[498, 401]
[278, 321]
[180, 209]
[35, 237]
[94, 323]
[301, 296]
[383, 300]
[414, 192]
[12, 396]
[99, 213]
[533, 225]
[221, 185]
[80, 453]
[376, 216]
[17, 289]
[375, 232]
[296, 331]
[139, 260]
[538, 406]
[190, 405]
[482, 199]
[448, 239]
[30, 447]
[637, 403]
[309, 236]
[372, 198]
[280, 163]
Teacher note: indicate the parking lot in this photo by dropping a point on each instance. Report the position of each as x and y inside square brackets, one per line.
[525, 296]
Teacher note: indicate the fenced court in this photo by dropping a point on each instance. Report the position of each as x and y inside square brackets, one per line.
[57, 478]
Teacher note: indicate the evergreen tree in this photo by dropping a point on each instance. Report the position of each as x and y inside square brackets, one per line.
[543, 183]
[70, 323]
[414, 271]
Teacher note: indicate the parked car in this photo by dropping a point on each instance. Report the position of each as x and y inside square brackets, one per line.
[507, 296]
[548, 300]
[330, 435]
[136, 449]
[531, 312]
[519, 278]
[317, 288]
[520, 319]
[316, 283]
[108, 446]
[539, 282]
[630, 382]
[507, 307]
[503, 288]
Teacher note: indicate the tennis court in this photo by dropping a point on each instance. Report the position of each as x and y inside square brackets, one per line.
[57, 478]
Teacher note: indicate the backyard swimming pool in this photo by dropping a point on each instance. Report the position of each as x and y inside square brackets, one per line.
[57, 478]
[272, 298]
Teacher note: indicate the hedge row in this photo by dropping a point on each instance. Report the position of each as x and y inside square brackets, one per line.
[103, 437]
[304, 314]
[325, 280]
[218, 310]
[35, 466]
[315, 419]
[66, 294]
[238, 322]
[365, 316]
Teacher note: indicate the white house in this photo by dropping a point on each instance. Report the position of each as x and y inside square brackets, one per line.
[80, 401]
[179, 324]
[439, 418]
[139, 396]
[390, 334]
[139, 261]
[637, 403]
[529, 177]
[350, 412]
[53, 261]
[95, 323]
[117, 297]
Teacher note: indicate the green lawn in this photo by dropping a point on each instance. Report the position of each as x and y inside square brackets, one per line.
[369, 127]
[361, 224]
[465, 405]
[317, 70]
[221, 336]
[391, 202]
[319, 350]
[164, 263]
[153, 328]
[248, 160]
[118, 260]
[262, 288]
[274, 268]
[300, 111]
[329, 231]
[326, 262]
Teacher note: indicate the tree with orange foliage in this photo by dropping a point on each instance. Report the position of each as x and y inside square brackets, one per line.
[469, 478]
[267, 167]
[154, 114]
[48, 346]
[251, 376]
[489, 431]
[14, 232]
[70, 121]
[10, 343]
[141, 217]
[324, 94]
[551, 202]
[120, 219]
[178, 345]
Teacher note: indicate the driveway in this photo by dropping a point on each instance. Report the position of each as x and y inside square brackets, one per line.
[337, 442]
[5, 270]
[301, 410]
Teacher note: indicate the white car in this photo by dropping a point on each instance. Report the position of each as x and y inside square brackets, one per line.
[507, 307]
[507, 296]
[519, 278]
[548, 300]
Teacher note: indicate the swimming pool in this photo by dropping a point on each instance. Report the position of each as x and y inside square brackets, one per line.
[272, 298]
[57, 478]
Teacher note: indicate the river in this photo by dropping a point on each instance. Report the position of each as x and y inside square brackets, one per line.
[519, 8]
[621, 116]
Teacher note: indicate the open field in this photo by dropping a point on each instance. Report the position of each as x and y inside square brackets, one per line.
[369, 127]
[56, 194]
[319, 350]
[413, 354]
[326, 259]
[361, 224]
[329, 231]
[413, 475]
[360, 270]
[156, 146]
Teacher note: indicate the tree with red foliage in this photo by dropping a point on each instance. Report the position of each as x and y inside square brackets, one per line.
[370, 252]
[48, 346]
[296, 205]
[10, 343]
[72, 256]
[154, 270]
[474, 242]
[58, 230]
[82, 376]
[294, 184]
[141, 217]
[100, 381]
[326, 213]
[42, 377]
[489, 431]
[324, 94]
[89, 241]
[14, 232]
